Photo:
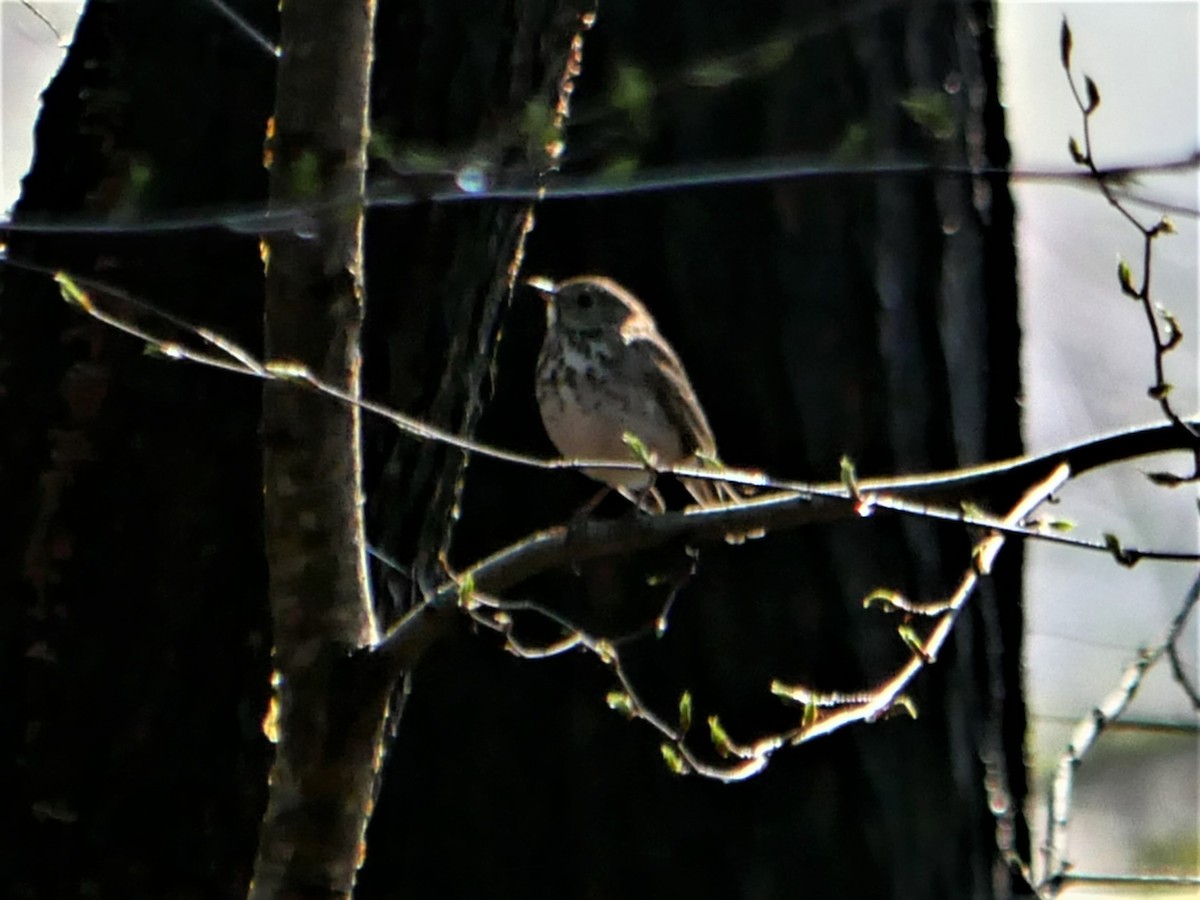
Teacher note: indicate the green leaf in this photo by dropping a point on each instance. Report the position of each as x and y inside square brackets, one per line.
[633, 94]
[72, 292]
[685, 713]
[1076, 153]
[848, 475]
[913, 641]
[621, 702]
[638, 448]
[773, 53]
[714, 73]
[1160, 391]
[972, 510]
[887, 600]
[620, 168]
[933, 110]
[674, 759]
[1125, 277]
[1174, 332]
[1093, 95]
[720, 739]
[810, 713]
[466, 590]
[1061, 525]
[1064, 44]
[606, 651]
[906, 703]
[854, 145]
[537, 123]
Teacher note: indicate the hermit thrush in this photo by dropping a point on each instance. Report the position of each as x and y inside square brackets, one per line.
[606, 379]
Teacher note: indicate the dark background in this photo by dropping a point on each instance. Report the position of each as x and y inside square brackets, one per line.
[869, 315]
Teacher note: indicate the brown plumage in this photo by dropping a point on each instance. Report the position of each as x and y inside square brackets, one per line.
[605, 371]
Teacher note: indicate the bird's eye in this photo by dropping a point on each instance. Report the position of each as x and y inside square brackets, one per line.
[585, 300]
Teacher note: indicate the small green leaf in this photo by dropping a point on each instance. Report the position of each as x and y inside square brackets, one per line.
[606, 651]
[685, 713]
[913, 641]
[621, 702]
[848, 475]
[1174, 331]
[1076, 153]
[1061, 525]
[887, 600]
[720, 739]
[854, 145]
[72, 292]
[972, 510]
[1064, 44]
[1093, 95]
[638, 448]
[1160, 391]
[466, 590]
[772, 54]
[905, 703]
[674, 759]
[633, 94]
[165, 349]
[633, 88]
[620, 168]
[537, 123]
[810, 713]
[1125, 277]
[933, 110]
[714, 73]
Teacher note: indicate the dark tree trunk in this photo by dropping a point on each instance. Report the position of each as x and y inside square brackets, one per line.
[872, 316]
[866, 315]
[136, 647]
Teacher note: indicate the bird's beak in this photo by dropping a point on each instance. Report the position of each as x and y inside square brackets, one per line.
[543, 285]
[546, 289]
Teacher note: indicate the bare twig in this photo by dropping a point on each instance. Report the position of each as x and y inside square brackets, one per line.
[795, 503]
[823, 713]
[1160, 391]
[1055, 859]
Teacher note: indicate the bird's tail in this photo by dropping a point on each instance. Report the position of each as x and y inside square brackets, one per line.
[713, 493]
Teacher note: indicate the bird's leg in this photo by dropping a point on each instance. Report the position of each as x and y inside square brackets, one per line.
[586, 510]
[645, 499]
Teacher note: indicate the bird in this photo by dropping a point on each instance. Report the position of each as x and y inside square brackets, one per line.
[610, 387]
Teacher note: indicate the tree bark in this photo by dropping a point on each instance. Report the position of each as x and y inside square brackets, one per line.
[329, 715]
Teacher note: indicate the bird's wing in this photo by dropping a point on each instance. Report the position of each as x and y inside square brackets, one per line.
[669, 385]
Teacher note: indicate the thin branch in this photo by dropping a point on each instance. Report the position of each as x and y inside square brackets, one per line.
[243, 26]
[1142, 881]
[885, 697]
[1161, 389]
[795, 503]
[823, 713]
[1055, 862]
